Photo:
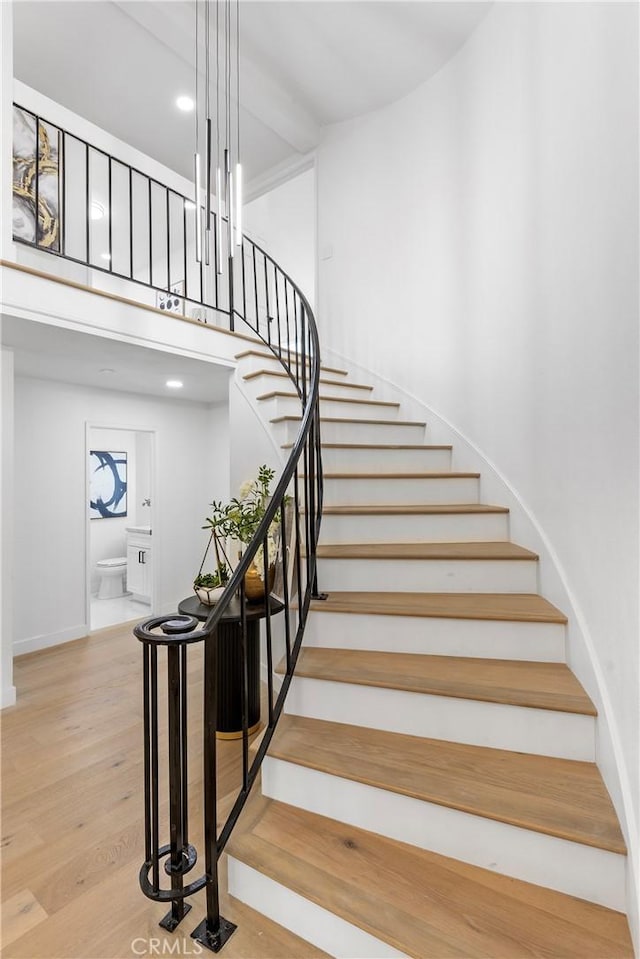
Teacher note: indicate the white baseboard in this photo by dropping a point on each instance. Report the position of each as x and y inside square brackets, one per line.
[8, 696]
[44, 641]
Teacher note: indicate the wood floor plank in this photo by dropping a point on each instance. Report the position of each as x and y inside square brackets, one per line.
[557, 797]
[324, 381]
[425, 905]
[72, 801]
[514, 683]
[512, 607]
[409, 551]
[20, 913]
[276, 394]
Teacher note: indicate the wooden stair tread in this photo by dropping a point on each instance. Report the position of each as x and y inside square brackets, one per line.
[512, 607]
[276, 394]
[326, 382]
[345, 419]
[424, 905]
[420, 509]
[285, 353]
[536, 685]
[557, 797]
[425, 474]
[407, 551]
[374, 446]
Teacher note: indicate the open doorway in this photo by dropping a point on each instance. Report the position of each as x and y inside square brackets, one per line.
[120, 528]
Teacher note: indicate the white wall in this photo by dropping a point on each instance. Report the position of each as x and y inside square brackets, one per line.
[50, 498]
[283, 222]
[108, 537]
[8, 691]
[489, 223]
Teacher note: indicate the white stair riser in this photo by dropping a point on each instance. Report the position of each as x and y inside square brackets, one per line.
[304, 918]
[267, 383]
[385, 461]
[290, 406]
[415, 528]
[354, 432]
[251, 364]
[478, 638]
[544, 732]
[429, 575]
[570, 867]
[401, 492]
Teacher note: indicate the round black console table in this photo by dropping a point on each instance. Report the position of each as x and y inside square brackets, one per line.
[227, 641]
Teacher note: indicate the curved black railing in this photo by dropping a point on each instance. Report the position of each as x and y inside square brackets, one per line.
[231, 645]
[120, 221]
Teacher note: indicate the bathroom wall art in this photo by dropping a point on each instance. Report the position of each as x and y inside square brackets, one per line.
[36, 185]
[107, 484]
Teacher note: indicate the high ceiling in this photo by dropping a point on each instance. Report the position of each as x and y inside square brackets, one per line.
[304, 64]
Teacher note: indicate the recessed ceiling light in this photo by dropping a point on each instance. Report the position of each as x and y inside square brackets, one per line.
[185, 104]
[106, 370]
[97, 210]
[105, 256]
[175, 384]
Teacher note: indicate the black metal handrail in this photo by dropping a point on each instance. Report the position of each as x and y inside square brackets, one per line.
[258, 292]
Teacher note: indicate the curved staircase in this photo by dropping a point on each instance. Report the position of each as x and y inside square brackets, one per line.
[432, 789]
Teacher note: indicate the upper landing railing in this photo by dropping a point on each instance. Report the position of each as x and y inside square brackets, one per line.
[75, 201]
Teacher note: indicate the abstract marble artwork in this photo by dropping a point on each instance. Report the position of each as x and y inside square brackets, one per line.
[36, 183]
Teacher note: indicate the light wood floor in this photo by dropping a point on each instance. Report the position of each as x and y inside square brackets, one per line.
[72, 829]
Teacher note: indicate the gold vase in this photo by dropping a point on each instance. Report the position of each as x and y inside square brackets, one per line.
[254, 586]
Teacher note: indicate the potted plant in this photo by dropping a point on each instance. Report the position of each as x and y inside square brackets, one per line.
[209, 587]
[239, 520]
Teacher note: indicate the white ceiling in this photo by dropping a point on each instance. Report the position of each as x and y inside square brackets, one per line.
[51, 353]
[304, 64]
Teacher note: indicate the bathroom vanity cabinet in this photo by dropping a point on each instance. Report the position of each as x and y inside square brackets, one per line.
[139, 563]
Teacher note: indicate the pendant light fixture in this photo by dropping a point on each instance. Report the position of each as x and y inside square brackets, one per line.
[228, 168]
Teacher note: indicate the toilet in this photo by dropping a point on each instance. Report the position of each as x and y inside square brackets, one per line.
[111, 577]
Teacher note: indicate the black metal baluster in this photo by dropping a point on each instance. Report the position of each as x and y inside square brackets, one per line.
[255, 285]
[275, 277]
[267, 621]
[184, 247]
[285, 584]
[63, 166]
[286, 301]
[87, 203]
[245, 686]
[130, 223]
[150, 203]
[266, 298]
[214, 930]
[168, 216]
[177, 747]
[244, 285]
[183, 739]
[155, 829]
[147, 754]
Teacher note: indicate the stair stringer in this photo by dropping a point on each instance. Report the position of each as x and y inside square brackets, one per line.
[554, 584]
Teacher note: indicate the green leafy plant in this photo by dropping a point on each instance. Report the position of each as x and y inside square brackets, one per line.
[213, 580]
[241, 518]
